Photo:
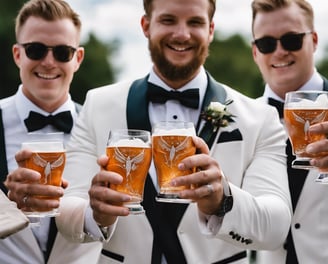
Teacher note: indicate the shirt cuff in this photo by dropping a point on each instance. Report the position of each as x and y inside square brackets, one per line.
[209, 224]
[92, 229]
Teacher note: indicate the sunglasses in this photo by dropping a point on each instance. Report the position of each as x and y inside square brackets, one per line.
[289, 41]
[37, 51]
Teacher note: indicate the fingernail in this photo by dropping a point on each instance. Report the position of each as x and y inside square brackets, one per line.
[181, 166]
[309, 149]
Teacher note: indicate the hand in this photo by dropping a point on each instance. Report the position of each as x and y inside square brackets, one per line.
[319, 146]
[105, 202]
[24, 187]
[208, 191]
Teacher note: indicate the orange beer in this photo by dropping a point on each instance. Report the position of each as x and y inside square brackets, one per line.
[132, 163]
[172, 142]
[50, 165]
[130, 154]
[168, 152]
[298, 122]
[48, 158]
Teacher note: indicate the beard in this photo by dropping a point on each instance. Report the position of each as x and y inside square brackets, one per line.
[173, 72]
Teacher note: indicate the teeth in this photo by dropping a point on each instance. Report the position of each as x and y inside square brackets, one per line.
[280, 65]
[47, 76]
[179, 48]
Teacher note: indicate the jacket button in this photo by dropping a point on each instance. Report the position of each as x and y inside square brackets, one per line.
[297, 225]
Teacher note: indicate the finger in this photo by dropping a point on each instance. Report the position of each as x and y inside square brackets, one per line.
[23, 175]
[321, 163]
[198, 178]
[200, 145]
[64, 184]
[105, 178]
[21, 157]
[317, 147]
[319, 128]
[103, 161]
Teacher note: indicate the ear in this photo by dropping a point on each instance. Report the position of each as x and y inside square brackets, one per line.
[315, 40]
[212, 30]
[79, 57]
[145, 25]
[16, 54]
[254, 52]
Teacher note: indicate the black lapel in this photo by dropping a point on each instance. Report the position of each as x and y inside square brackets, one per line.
[137, 105]
[325, 84]
[3, 156]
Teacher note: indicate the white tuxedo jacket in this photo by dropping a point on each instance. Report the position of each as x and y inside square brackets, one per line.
[251, 153]
[22, 247]
[309, 224]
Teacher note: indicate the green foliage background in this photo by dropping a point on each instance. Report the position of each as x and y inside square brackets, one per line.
[230, 61]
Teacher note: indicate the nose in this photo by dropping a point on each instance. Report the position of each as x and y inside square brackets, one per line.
[49, 58]
[181, 32]
[280, 49]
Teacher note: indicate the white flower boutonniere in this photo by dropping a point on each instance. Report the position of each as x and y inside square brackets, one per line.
[218, 115]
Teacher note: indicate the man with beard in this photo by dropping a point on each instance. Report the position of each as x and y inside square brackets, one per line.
[250, 211]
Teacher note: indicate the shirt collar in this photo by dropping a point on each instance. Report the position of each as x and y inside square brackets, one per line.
[24, 106]
[314, 83]
[200, 81]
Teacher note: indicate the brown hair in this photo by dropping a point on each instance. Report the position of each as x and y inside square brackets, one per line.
[49, 10]
[267, 6]
[148, 8]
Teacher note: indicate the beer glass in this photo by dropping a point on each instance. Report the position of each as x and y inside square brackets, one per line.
[172, 142]
[48, 159]
[129, 153]
[303, 109]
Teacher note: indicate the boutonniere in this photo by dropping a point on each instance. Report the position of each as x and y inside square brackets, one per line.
[217, 115]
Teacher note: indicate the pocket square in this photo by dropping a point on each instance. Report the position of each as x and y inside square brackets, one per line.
[227, 136]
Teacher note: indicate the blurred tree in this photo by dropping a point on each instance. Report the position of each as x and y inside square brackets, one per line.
[9, 76]
[95, 70]
[230, 61]
[322, 64]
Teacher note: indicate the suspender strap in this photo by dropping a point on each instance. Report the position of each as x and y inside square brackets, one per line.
[3, 156]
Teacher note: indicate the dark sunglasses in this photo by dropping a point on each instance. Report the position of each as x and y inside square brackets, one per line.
[289, 41]
[37, 51]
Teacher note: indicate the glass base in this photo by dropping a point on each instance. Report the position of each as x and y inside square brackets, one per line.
[52, 213]
[135, 209]
[302, 163]
[171, 198]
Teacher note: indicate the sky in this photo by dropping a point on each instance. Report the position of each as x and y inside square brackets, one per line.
[120, 19]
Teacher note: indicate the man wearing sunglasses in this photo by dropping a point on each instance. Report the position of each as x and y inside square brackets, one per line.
[47, 54]
[283, 48]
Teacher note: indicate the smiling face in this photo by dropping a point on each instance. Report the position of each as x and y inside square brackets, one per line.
[179, 33]
[285, 70]
[46, 81]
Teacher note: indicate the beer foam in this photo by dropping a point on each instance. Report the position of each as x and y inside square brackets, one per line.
[136, 142]
[175, 132]
[321, 102]
[49, 146]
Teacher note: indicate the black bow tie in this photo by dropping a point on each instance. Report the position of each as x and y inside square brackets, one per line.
[278, 105]
[189, 98]
[62, 121]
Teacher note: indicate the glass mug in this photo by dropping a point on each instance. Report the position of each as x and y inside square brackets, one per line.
[171, 143]
[303, 109]
[129, 153]
[48, 159]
